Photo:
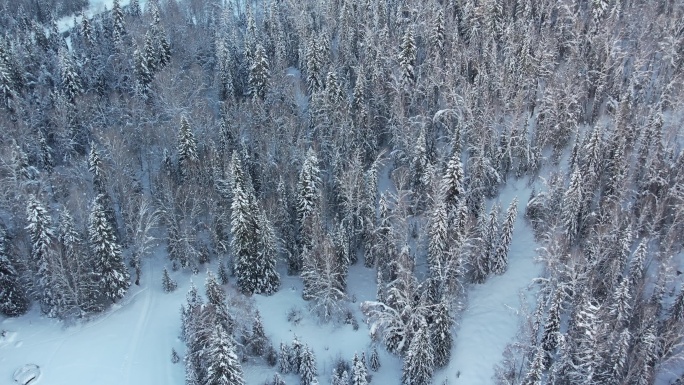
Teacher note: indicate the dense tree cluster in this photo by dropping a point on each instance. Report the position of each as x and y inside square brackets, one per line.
[302, 137]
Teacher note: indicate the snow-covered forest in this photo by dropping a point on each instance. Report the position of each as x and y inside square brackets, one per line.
[344, 192]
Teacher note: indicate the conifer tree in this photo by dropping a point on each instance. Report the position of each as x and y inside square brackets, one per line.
[452, 183]
[535, 372]
[258, 340]
[440, 335]
[284, 361]
[359, 371]
[500, 260]
[71, 81]
[374, 363]
[224, 367]
[13, 300]
[259, 74]
[109, 263]
[168, 284]
[43, 252]
[419, 361]
[407, 58]
[119, 27]
[308, 197]
[307, 368]
[572, 207]
[253, 242]
[187, 148]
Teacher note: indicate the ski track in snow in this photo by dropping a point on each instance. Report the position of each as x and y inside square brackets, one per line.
[141, 325]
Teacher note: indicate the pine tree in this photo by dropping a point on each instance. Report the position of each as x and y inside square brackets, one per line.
[109, 263]
[359, 371]
[143, 71]
[223, 368]
[42, 252]
[308, 197]
[535, 372]
[585, 354]
[277, 380]
[407, 58]
[259, 74]
[440, 335]
[500, 261]
[552, 325]
[452, 183]
[13, 300]
[217, 298]
[253, 242]
[572, 206]
[307, 368]
[96, 168]
[258, 340]
[438, 246]
[71, 81]
[284, 360]
[636, 266]
[419, 361]
[621, 306]
[374, 359]
[168, 284]
[187, 148]
[119, 28]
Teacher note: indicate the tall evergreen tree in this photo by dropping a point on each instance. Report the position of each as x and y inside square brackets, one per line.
[109, 262]
[440, 334]
[359, 372]
[223, 367]
[187, 148]
[500, 260]
[259, 74]
[13, 300]
[43, 252]
[419, 361]
[407, 58]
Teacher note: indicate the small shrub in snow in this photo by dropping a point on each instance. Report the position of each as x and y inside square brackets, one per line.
[294, 316]
[374, 360]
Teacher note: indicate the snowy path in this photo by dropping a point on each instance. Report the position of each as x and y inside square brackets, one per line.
[130, 345]
[491, 318]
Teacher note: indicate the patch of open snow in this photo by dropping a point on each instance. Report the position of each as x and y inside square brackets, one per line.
[491, 318]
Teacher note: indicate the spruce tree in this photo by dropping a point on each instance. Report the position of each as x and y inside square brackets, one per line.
[223, 367]
[500, 260]
[307, 368]
[359, 371]
[374, 363]
[13, 300]
[109, 263]
[43, 252]
[440, 335]
[572, 207]
[407, 58]
[419, 361]
[168, 284]
[284, 360]
[259, 74]
[308, 197]
[187, 147]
